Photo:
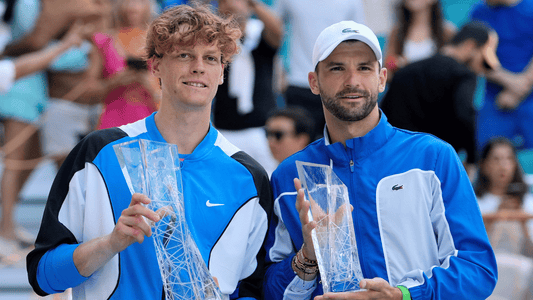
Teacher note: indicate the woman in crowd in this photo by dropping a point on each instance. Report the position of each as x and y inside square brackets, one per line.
[503, 198]
[420, 32]
[131, 87]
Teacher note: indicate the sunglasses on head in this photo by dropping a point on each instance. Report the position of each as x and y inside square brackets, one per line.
[276, 134]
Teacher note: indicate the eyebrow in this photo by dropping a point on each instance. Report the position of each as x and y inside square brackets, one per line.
[213, 52]
[334, 63]
[367, 63]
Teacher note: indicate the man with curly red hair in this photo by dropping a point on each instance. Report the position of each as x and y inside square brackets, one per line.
[94, 237]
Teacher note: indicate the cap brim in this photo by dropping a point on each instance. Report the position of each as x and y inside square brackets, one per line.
[358, 37]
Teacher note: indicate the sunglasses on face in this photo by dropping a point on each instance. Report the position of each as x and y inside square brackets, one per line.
[276, 134]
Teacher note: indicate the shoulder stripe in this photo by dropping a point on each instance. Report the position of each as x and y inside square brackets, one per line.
[285, 194]
[135, 129]
[225, 145]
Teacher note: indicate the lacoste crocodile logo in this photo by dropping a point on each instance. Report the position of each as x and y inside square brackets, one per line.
[347, 30]
[397, 187]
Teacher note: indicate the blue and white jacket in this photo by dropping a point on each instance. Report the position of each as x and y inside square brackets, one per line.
[89, 193]
[416, 219]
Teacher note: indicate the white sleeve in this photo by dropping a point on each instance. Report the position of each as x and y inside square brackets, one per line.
[7, 75]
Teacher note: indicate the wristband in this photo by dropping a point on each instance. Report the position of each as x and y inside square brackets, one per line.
[406, 295]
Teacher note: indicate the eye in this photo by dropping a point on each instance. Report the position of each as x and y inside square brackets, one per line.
[336, 68]
[183, 55]
[213, 59]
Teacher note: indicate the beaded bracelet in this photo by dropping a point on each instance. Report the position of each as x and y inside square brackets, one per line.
[304, 259]
[297, 267]
[304, 265]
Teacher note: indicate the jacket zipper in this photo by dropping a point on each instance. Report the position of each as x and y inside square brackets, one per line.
[355, 217]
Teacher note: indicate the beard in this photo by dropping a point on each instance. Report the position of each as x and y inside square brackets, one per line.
[350, 111]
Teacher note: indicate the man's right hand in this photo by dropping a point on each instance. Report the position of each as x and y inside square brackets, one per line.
[131, 226]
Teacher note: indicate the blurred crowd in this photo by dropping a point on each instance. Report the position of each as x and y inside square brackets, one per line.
[70, 67]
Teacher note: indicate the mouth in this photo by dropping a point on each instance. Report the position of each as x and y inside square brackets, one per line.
[195, 84]
[352, 97]
[352, 94]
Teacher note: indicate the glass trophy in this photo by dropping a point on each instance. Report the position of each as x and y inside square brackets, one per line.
[333, 237]
[153, 168]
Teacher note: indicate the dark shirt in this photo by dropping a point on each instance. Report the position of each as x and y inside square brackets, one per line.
[225, 113]
[435, 95]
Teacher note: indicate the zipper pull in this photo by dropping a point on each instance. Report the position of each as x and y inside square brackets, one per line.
[351, 165]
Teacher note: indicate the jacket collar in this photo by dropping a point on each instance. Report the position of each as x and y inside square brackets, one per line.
[361, 147]
[203, 149]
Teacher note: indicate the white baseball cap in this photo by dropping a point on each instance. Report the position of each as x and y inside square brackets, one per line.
[337, 33]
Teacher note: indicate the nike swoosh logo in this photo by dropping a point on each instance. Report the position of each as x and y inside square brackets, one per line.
[209, 204]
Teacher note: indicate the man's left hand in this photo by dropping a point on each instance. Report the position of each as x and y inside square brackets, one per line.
[376, 288]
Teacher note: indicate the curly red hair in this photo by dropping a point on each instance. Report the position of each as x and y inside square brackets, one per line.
[184, 26]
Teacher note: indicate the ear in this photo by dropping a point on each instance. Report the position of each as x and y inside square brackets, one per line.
[382, 79]
[155, 63]
[312, 77]
[221, 81]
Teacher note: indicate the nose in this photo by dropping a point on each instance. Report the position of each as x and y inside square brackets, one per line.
[198, 66]
[352, 80]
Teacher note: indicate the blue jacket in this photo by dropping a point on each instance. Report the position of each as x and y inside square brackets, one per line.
[416, 219]
[90, 192]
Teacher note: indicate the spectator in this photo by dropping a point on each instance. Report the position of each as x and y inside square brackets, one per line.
[305, 19]
[507, 209]
[14, 69]
[131, 89]
[74, 104]
[420, 32]
[10, 240]
[20, 109]
[508, 104]
[436, 95]
[500, 177]
[95, 240]
[416, 220]
[507, 227]
[288, 130]
[246, 96]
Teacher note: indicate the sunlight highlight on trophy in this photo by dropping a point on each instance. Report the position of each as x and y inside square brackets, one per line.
[333, 237]
[153, 168]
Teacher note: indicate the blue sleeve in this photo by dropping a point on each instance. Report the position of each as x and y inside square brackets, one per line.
[280, 280]
[277, 278]
[56, 271]
[471, 272]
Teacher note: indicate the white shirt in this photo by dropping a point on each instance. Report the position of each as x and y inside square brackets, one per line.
[307, 18]
[489, 203]
[7, 75]
[415, 51]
